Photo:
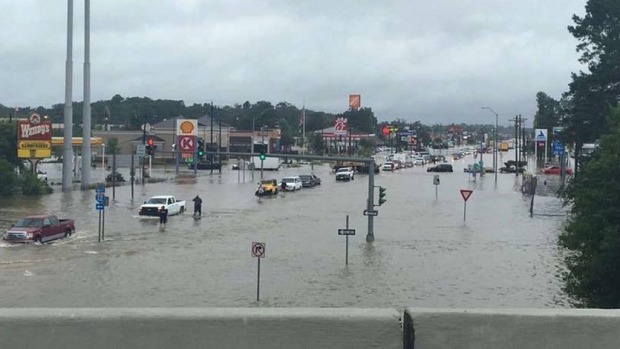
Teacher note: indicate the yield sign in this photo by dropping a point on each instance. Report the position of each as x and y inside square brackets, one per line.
[466, 193]
[186, 143]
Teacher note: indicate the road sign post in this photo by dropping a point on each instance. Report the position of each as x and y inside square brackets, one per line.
[258, 251]
[465, 193]
[100, 202]
[346, 232]
[436, 183]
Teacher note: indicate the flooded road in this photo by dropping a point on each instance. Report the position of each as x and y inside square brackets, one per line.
[424, 254]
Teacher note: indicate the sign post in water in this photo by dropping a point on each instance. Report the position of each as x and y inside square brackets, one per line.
[258, 251]
[465, 193]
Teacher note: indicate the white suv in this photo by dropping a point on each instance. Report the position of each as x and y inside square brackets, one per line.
[292, 183]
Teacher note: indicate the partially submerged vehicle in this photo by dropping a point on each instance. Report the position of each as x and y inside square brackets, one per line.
[267, 187]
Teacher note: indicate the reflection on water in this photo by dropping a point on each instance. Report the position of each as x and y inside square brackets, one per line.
[423, 255]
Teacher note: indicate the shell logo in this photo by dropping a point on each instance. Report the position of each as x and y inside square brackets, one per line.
[186, 127]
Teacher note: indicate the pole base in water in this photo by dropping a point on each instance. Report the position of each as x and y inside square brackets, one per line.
[370, 238]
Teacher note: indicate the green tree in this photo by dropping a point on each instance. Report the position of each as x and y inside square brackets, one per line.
[592, 234]
[548, 113]
[112, 146]
[9, 177]
[8, 143]
[592, 94]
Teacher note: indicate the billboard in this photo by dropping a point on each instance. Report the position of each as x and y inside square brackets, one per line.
[355, 101]
[34, 138]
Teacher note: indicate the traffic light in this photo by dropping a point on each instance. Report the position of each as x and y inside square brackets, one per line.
[262, 150]
[150, 147]
[201, 147]
[381, 196]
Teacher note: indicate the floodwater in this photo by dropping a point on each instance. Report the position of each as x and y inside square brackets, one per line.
[424, 255]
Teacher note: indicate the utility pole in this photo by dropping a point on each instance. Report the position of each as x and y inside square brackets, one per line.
[211, 140]
[219, 139]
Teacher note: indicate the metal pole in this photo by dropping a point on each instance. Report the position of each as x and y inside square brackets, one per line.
[144, 144]
[86, 119]
[495, 149]
[114, 176]
[103, 163]
[132, 174]
[517, 121]
[219, 140]
[436, 191]
[464, 210]
[258, 281]
[211, 140]
[252, 148]
[370, 236]
[103, 222]
[346, 253]
[262, 132]
[67, 156]
[99, 227]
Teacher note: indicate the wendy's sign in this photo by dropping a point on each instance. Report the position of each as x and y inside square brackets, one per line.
[34, 129]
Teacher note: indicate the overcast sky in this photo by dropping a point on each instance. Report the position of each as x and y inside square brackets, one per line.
[434, 61]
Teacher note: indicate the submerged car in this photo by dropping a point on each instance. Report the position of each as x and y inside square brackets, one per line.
[292, 183]
[309, 180]
[440, 168]
[267, 187]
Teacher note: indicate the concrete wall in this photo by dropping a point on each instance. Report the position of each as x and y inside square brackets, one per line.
[293, 328]
[221, 328]
[519, 328]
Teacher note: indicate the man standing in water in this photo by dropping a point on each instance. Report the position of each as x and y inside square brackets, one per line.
[163, 216]
[197, 205]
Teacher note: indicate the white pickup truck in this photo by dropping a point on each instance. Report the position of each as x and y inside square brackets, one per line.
[345, 174]
[154, 203]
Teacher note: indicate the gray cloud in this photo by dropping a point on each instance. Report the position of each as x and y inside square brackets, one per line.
[431, 61]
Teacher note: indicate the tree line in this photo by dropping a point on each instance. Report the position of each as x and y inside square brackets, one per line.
[589, 113]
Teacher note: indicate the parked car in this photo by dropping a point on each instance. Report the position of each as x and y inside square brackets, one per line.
[345, 174]
[267, 187]
[39, 228]
[292, 183]
[555, 170]
[309, 180]
[205, 165]
[440, 168]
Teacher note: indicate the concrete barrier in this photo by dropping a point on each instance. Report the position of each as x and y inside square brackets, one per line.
[178, 328]
[519, 328]
[293, 328]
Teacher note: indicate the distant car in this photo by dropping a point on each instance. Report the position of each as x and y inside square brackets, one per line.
[440, 168]
[511, 169]
[555, 170]
[205, 165]
[419, 161]
[292, 183]
[309, 180]
[388, 166]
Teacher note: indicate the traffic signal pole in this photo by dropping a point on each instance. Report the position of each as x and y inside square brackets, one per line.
[370, 205]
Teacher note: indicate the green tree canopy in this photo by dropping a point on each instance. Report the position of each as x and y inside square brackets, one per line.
[592, 234]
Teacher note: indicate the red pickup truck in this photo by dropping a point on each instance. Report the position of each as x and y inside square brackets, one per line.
[39, 228]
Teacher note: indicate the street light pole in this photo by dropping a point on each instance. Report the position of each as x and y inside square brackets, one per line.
[495, 143]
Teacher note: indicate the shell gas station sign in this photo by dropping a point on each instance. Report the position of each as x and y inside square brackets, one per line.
[34, 138]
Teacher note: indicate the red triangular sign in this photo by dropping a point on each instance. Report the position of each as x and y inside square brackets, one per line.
[466, 193]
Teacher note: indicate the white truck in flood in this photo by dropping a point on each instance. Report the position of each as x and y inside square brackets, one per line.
[154, 203]
[269, 164]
